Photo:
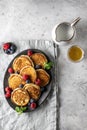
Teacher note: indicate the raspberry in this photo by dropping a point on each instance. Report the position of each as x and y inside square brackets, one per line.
[8, 95]
[29, 53]
[38, 81]
[33, 105]
[8, 92]
[10, 70]
[25, 77]
[6, 46]
[7, 89]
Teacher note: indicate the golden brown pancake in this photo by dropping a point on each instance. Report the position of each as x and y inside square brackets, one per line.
[39, 59]
[43, 76]
[15, 80]
[20, 97]
[22, 61]
[33, 90]
[29, 70]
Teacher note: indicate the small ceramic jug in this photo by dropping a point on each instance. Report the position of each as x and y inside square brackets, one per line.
[64, 32]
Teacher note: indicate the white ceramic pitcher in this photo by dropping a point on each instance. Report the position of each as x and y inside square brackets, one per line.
[64, 32]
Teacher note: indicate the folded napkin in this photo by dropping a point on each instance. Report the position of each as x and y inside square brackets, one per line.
[43, 118]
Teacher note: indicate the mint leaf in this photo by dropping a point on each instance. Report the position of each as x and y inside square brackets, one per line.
[17, 109]
[23, 108]
[48, 65]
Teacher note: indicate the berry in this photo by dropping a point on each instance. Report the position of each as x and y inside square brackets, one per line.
[38, 67]
[12, 48]
[10, 70]
[21, 85]
[33, 105]
[28, 81]
[8, 95]
[38, 81]
[6, 46]
[10, 51]
[8, 92]
[32, 100]
[7, 89]
[25, 77]
[7, 51]
[29, 104]
[43, 89]
[29, 53]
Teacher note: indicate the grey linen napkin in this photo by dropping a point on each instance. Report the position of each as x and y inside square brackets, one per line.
[43, 118]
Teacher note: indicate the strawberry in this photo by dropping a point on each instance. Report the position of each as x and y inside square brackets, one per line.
[25, 77]
[38, 81]
[29, 53]
[10, 70]
[33, 105]
[6, 46]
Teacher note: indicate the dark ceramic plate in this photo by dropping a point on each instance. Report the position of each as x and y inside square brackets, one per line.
[44, 94]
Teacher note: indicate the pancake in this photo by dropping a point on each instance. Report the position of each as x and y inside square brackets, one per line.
[15, 80]
[20, 97]
[43, 76]
[29, 70]
[33, 90]
[39, 59]
[22, 61]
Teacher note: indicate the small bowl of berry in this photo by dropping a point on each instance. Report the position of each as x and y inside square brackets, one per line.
[9, 48]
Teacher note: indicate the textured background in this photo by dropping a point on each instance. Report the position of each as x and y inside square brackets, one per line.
[34, 19]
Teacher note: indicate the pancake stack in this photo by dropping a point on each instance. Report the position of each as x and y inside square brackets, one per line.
[24, 79]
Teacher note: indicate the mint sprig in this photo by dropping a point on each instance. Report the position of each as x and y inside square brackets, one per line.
[20, 110]
[48, 65]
